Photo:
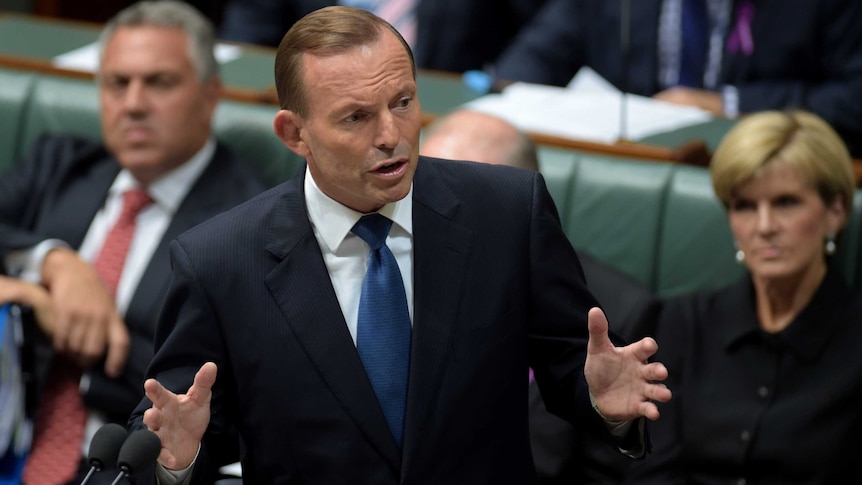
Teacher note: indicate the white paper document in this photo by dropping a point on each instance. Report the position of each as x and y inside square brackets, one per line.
[86, 58]
[589, 109]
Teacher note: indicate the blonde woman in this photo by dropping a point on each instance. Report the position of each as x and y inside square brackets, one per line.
[767, 372]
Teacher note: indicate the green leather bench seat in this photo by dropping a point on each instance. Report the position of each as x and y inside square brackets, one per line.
[15, 88]
[58, 105]
[658, 222]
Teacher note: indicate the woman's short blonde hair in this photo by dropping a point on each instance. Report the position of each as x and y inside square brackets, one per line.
[798, 138]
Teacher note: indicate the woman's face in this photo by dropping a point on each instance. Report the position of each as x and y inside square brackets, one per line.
[781, 222]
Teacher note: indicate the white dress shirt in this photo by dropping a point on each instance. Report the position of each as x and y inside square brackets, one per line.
[346, 254]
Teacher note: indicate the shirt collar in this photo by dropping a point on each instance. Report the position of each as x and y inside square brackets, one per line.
[334, 220]
[170, 189]
[809, 332]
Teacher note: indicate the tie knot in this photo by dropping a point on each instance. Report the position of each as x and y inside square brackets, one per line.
[373, 229]
[134, 200]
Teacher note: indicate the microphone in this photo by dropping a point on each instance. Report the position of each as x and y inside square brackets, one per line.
[140, 449]
[105, 448]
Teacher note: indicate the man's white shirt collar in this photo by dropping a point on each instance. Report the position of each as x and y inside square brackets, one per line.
[334, 220]
[170, 189]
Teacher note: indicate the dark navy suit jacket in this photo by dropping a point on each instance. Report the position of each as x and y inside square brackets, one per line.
[497, 289]
[806, 55]
[453, 35]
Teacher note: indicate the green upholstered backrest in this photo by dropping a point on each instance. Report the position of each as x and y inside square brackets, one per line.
[614, 212]
[848, 258]
[15, 87]
[658, 222]
[695, 243]
[247, 129]
[61, 105]
[558, 168]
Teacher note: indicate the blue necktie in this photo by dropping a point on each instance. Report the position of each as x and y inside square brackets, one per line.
[383, 330]
[695, 43]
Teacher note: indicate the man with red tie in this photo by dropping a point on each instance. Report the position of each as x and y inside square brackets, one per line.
[90, 223]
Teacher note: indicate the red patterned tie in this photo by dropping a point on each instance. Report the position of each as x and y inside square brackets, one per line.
[56, 449]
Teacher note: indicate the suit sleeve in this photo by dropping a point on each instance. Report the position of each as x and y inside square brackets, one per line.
[24, 188]
[536, 55]
[834, 88]
[262, 22]
[675, 320]
[187, 336]
[558, 328]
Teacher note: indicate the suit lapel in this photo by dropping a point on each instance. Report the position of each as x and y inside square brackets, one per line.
[440, 252]
[78, 204]
[201, 203]
[302, 288]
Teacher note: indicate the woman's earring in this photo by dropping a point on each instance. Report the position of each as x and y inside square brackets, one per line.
[830, 245]
[740, 254]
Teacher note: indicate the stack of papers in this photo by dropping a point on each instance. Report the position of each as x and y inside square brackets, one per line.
[589, 109]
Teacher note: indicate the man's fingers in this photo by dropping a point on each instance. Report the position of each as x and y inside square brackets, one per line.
[649, 410]
[645, 348]
[61, 329]
[93, 345]
[157, 393]
[655, 371]
[76, 337]
[598, 326]
[201, 390]
[153, 419]
[118, 347]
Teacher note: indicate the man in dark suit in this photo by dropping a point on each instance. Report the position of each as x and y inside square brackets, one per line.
[158, 86]
[758, 55]
[452, 35]
[272, 297]
[561, 453]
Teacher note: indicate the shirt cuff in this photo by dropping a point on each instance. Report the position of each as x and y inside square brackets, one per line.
[27, 263]
[633, 446]
[176, 477]
[730, 101]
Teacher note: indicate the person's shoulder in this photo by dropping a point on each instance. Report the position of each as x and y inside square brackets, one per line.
[57, 155]
[704, 307]
[66, 146]
[246, 221]
[237, 170]
[470, 173]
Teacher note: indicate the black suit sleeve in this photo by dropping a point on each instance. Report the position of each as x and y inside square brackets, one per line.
[820, 70]
[27, 186]
[558, 330]
[536, 55]
[262, 22]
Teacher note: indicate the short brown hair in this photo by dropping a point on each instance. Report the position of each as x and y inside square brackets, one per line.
[797, 138]
[200, 33]
[324, 32]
